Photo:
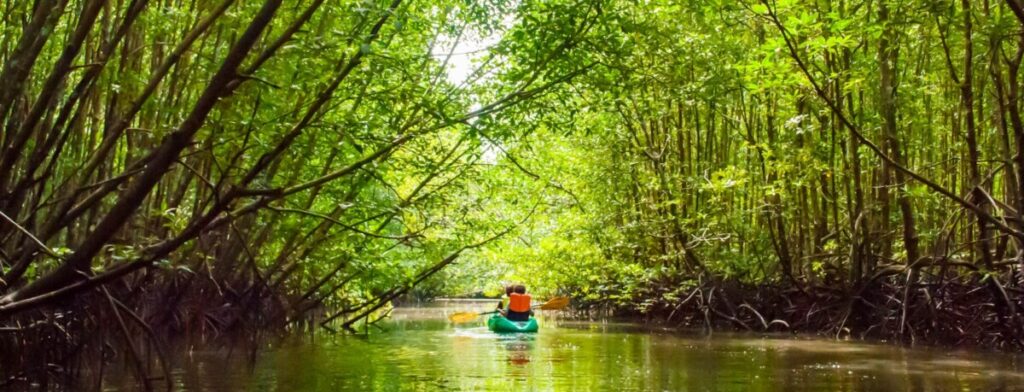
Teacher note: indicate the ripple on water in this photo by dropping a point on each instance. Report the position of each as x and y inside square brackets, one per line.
[422, 351]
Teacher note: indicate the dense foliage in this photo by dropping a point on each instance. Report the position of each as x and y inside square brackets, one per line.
[836, 166]
[215, 165]
[206, 166]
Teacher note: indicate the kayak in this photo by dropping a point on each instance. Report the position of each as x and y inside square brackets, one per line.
[498, 323]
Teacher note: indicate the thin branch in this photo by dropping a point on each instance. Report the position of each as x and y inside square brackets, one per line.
[25, 231]
[340, 223]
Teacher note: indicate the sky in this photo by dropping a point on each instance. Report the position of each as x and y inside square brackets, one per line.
[467, 51]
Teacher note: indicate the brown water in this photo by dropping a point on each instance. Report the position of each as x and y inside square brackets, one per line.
[421, 351]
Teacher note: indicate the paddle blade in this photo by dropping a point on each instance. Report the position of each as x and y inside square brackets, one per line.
[462, 317]
[557, 303]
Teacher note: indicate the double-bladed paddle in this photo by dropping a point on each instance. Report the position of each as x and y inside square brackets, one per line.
[557, 303]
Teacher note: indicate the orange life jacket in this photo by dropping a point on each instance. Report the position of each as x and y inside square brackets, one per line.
[519, 302]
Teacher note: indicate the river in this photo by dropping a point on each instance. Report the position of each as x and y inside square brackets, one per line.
[419, 350]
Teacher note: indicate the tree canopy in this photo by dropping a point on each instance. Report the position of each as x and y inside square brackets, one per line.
[263, 163]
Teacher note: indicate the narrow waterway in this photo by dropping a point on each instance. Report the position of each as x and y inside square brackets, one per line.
[421, 351]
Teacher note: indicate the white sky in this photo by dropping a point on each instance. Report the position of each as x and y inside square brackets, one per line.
[467, 52]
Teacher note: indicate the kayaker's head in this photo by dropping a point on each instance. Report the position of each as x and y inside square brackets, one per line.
[510, 289]
[520, 289]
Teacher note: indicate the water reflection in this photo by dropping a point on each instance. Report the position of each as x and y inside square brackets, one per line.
[422, 351]
[518, 347]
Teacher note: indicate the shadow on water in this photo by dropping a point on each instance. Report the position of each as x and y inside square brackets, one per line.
[422, 351]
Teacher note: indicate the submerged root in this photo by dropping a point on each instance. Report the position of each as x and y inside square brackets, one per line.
[958, 310]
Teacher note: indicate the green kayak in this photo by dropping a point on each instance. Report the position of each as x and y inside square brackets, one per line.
[498, 323]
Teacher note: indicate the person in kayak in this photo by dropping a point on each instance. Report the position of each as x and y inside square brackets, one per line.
[518, 305]
[503, 304]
